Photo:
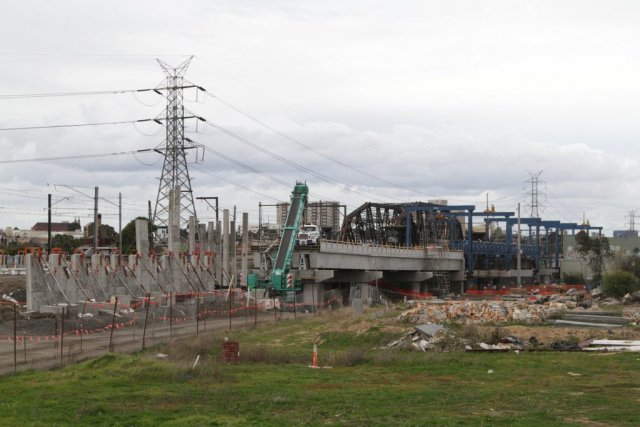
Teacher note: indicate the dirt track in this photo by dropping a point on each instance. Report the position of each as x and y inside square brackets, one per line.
[45, 354]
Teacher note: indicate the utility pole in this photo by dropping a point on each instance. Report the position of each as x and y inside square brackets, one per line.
[206, 199]
[49, 225]
[519, 257]
[95, 221]
[120, 222]
[259, 224]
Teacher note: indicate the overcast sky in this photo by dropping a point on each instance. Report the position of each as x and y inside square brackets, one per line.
[389, 100]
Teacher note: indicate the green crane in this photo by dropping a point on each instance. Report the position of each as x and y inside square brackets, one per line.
[282, 277]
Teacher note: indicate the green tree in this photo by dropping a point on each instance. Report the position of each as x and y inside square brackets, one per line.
[106, 231]
[596, 250]
[129, 235]
[628, 262]
[497, 235]
[619, 283]
[64, 241]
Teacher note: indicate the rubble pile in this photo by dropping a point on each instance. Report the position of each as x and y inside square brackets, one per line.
[632, 314]
[423, 337]
[479, 312]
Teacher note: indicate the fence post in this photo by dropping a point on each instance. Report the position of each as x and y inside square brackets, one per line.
[170, 316]
[62, 337]
[146, 317]
[15, 344]
[255, 302]
[113, 325]
[197, 312]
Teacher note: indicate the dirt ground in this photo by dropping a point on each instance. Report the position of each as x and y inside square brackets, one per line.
[15, 284]
[546, 334]
[384, 319]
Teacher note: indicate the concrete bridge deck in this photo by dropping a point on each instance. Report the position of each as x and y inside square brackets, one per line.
[348, 262]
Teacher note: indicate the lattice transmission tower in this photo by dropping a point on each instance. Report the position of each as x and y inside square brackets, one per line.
[535, 206]
[175, 171]
[632, 219]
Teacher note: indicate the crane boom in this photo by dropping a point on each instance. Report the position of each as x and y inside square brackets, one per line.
[281, 277]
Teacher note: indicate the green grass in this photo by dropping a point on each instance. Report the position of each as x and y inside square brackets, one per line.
[382, 387]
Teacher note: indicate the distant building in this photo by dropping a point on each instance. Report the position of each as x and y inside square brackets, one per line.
[39, 233]
[625, 234]
[325, 214]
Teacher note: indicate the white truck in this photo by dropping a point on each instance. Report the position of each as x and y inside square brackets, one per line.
[308, 235]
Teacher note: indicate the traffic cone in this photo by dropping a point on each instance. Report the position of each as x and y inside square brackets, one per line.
[315, 356]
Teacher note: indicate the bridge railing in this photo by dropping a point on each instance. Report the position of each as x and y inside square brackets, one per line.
[382, 250]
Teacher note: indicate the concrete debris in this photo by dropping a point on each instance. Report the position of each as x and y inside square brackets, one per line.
[632, 314]
[478, 312]
[500, 347]
[575, 323]
[429, 329]
[104, 312]
[9, 298]
[631, 298]
[565, 346]
[593, 319]
[612, 345]
[423, 337]
[610, 301]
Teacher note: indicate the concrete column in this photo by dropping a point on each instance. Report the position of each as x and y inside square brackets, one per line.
[75, 262]
[192, 235]
[30, 294]
[225, 247]
[142, 236]
[314, 293]
[218, 253]
[245, 248]
[233, 268]
[202, 237]
[209, 247]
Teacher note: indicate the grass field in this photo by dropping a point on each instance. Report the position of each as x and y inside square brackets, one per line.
[273, 384]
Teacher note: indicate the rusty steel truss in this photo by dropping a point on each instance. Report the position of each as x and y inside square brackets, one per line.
[386, 224]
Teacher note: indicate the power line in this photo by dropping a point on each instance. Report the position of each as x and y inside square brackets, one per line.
[61, 94]
[72, 125]
[294, 164]
[247, 167]
[91, 92]
[256, 171]
[235, 184]
[307, 147]
[80, 156]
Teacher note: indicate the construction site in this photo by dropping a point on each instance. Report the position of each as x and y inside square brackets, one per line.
[444, 263]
